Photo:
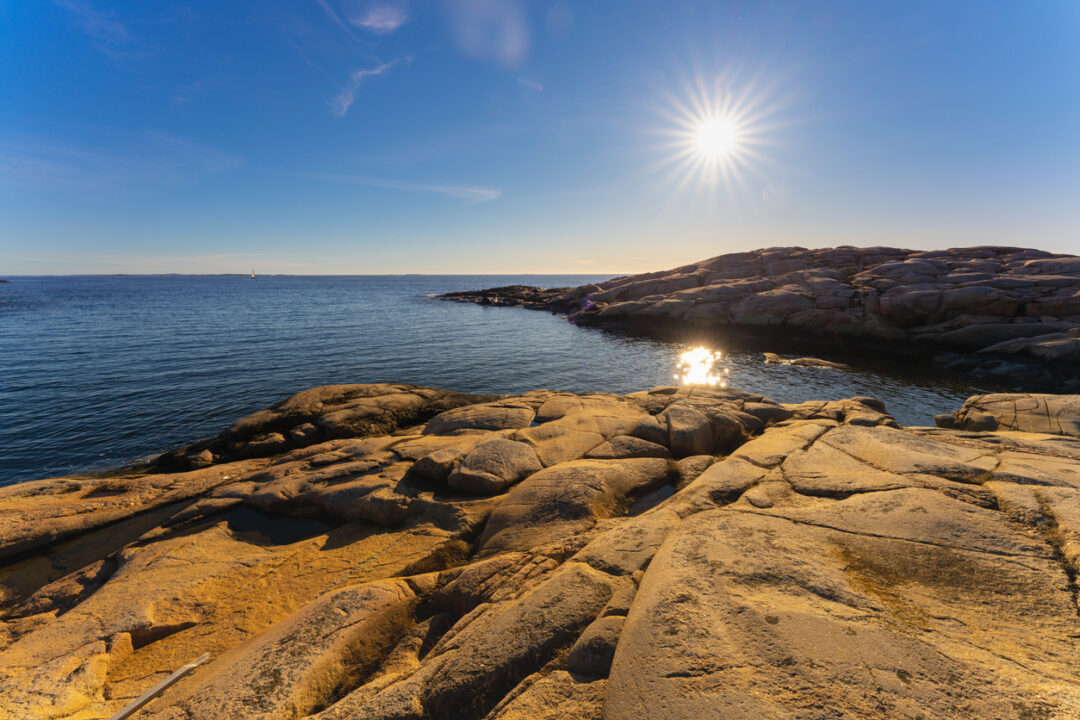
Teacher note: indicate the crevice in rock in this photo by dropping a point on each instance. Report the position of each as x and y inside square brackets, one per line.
[361, 662]
[450, 554]
[830, 494]
[722, 498]
[74, 557]
[51, 546]
[479, 703]
[824, 526]
[975, 479]
[650, 500]
[141, 637]
[256, 527]
[1054, 537]
[109, 566]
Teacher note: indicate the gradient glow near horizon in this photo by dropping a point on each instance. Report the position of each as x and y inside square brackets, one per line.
[497, 136]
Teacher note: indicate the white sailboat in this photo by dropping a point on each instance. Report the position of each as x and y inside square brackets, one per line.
[252, 273]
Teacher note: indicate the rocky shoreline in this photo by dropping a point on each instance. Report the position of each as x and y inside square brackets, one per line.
[1004, 313]
[392, 551]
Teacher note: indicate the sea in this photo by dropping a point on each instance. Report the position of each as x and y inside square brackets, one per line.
[98, 371]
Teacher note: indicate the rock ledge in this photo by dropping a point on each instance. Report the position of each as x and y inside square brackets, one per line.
[1009, 313]
[397, 552]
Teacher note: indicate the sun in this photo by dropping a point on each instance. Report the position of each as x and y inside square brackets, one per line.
[715, 138]
[715, 132]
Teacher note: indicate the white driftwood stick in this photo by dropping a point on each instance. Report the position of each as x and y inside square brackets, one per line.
[160, 688]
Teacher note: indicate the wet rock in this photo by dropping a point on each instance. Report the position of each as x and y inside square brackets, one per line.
[774, 359]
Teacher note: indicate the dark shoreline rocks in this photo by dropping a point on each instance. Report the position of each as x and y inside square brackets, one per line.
[996, 312]
[526, 296]
[774, 359]
[683, 552]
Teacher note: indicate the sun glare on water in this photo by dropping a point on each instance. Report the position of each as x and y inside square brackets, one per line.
[697, 365]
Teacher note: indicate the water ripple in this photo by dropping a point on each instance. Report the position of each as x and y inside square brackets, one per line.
[98, 371]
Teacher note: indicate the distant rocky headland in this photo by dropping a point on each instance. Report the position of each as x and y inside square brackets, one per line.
[1006, 313]
[393, 551]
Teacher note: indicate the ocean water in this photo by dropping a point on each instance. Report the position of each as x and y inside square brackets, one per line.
[97, 371]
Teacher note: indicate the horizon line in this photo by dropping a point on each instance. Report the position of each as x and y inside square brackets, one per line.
[244, 274]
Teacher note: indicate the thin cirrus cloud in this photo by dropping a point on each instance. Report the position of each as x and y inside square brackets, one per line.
[340, 105]
[471, 195]
[490, 29]
[381, 19]
[129, 159]
[106, 33]
[330, 12]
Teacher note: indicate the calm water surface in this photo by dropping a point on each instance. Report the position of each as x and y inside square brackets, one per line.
[97, 371]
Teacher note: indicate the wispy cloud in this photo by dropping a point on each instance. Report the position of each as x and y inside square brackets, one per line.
[105, 32]
[490, 29]
[132, 159]
[531, 84]
[472, 195]
[382, 19]
[344, 100]
[185, 93]
[332, 14]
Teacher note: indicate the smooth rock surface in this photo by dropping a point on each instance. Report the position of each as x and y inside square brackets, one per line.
[547, 556]
[1037, 413]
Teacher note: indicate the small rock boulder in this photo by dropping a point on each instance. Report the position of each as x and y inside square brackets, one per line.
[438, 465]
[494, 466]
[593, 651]
[689, 431]
[484, 416]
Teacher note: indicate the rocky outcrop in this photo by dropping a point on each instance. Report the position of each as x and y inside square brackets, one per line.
[990, 311]
[1025, 412]
[774, 359]
[684, 552]
[316, 415]
[534, 298]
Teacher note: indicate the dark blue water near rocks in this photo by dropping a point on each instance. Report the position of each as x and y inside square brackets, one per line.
[98, 371]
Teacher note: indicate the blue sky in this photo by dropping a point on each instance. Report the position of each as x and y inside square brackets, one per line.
[476, 136]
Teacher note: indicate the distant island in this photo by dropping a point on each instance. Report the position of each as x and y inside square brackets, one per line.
[1009, 314]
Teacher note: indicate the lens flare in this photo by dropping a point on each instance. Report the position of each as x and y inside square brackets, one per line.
[697, 365]
[716, 137]
[716, 130]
